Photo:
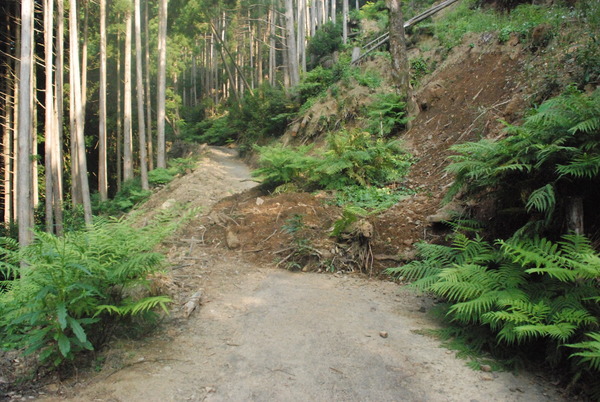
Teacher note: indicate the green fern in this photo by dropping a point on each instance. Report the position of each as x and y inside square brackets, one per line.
[555, 150]
[60, 301]
[590, 354]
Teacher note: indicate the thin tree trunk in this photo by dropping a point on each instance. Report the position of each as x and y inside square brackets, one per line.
[333, 11]
[35, 185]
[58, 119]
[6, 110]
[140, 97]
[16, 113]
[345, 21]
[84, 62]
[161, 86]
[76, 197]
[302, 33]
[148, 97]
[272, 60]
[49, 115]
[311, 10]
[24, 205]
[291, 43]
[102, 140]
[80, 158]
[127, 112]
[119, 117]
[7, 157]
[400, 64]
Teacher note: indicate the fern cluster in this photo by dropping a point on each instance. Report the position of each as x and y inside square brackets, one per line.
[68, 293]
[525, 291]
[387, 114]
[351, 158]
[554, 155]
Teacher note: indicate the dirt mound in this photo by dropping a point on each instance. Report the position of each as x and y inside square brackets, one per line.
[479, 85]
[266, 229]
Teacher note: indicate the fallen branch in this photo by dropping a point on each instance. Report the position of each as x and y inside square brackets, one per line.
[191, 305]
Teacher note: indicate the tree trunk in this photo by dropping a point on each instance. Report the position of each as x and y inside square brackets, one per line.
[49, 115]
[127, 112]
[84, 62]
[140, 96]
[333, 11]
[79, 158]
[400, 64]
[102, 141]
[119, 117]
[575, 215]
[7, 146]
[345, 21]
[291, 43]
[272, 60]
[35, 195]
[76, 197]
[148, 97]
[58, 118]
[302, 33]
[24, 205]
[161, 86]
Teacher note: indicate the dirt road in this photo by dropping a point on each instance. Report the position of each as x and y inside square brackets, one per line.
[264, 334]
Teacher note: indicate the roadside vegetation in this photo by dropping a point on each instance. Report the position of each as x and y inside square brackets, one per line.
[535, 288]
[66, 295]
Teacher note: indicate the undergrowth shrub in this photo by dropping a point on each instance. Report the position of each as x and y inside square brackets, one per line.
[351, 158]
[372, 198]
[326, 40]
[70, 292]
[468, 17]
[263, 114]
[387, 114]
[553, 157]
[531, 294]
[131, 192]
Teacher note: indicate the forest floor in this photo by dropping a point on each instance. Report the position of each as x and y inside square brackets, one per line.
[265, 333]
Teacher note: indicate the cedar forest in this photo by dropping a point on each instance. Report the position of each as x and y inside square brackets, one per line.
[101, 100]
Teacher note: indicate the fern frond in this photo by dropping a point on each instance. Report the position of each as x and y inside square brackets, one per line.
[591, 351]
[582, 166]
[543, 199]
[560, 331]
[586, 126]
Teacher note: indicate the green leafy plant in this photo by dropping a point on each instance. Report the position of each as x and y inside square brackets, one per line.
[160, 176]
[356, 158]
[554, 155]
[301, 250]
[326, 40]
[70, 292]
[525, 291]
[131, 194]
[280, 165]
[369, 198]
[351, 158]
[468, 17]
[387, 114]
[419, 67]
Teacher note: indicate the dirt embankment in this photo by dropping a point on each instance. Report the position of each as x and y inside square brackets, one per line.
[477, 86]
